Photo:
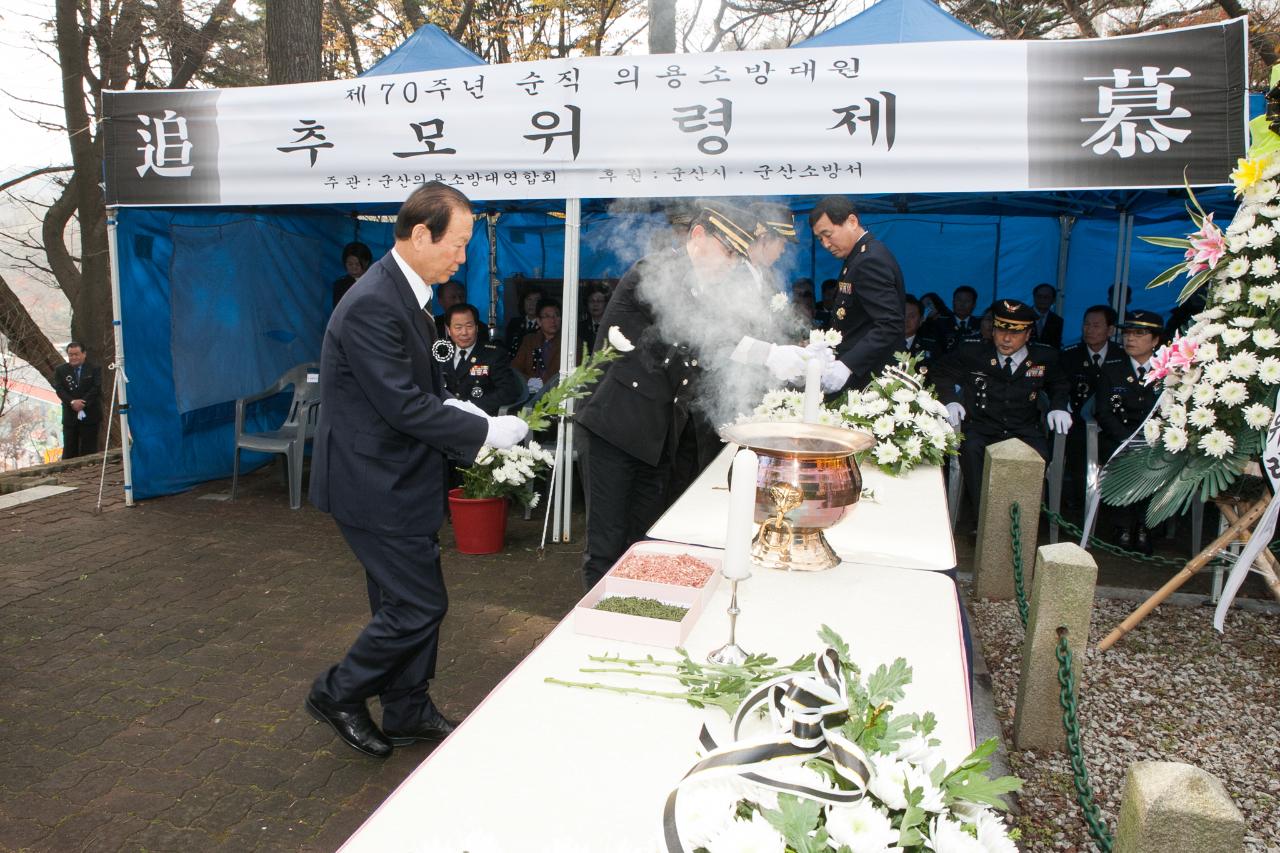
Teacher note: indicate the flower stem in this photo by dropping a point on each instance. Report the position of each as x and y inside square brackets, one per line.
[591, 685]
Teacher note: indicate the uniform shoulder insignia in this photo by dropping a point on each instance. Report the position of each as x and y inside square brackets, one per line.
[489, 346]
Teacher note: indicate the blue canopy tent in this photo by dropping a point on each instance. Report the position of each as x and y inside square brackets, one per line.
[428, 49]
[895, 22]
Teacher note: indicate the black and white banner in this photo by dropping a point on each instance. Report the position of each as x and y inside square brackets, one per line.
[947, 116]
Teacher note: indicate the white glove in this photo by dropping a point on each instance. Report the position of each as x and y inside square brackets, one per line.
[535, 385]
[955, 414]
[466, 406]
[834, 376]
[505, 431]
[786, 363]
[1060, 421]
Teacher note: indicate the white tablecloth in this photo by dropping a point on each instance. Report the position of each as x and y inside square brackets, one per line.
[543, 767]
[905, 526]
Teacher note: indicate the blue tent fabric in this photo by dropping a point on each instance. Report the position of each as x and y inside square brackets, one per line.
[428, 49]
[894, 22]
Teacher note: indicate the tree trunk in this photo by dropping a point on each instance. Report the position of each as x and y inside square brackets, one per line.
[26, 341]
[662, 26]
[294, 41]
[1081, 18]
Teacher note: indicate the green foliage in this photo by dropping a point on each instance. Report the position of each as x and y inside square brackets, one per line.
[795, 819]
[554, 401]
[886, 683]
[969, 781]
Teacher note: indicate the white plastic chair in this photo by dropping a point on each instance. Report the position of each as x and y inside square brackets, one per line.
[291, 437]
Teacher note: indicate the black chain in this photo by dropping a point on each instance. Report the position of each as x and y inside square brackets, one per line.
[1084, 791]
[1094, 542]
[1015, 536]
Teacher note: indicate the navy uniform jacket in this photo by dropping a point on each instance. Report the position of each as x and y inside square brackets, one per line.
[868, 310]
[949, 335]
[1077, 363]
[486, 378]
[1052, 334]
[644, 396]
[995, 404]
[1121, 402]
[89, 389]
[384, 431]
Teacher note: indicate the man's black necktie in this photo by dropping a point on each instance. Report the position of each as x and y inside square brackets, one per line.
[1142, 373]
[1008, 366]
[1097, 359]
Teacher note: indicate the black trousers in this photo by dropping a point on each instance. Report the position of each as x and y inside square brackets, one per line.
[79, 438]
[973, 452]
[394, 657]
[624, 499]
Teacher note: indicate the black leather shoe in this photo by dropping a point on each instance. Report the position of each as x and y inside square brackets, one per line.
[1122, 537]
[1142, 541]
[355, 727]
[434, 727]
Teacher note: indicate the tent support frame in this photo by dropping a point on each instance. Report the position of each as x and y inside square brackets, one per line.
[121, 384]
[562, 485]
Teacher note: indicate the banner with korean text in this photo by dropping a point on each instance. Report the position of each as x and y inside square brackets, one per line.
[968, 116]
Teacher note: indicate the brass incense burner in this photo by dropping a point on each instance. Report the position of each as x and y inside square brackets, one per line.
[807, 480]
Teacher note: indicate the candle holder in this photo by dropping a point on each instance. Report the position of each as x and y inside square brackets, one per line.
[730, 654]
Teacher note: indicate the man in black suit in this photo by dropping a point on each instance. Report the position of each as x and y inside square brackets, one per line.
[1047, 329]
[1082, 363]
[917, 340]
[386, 427]
[869, 300]
[643, 435]
[449, 294]
[1001, 384]
[960, 326]
[476, 371]
[78, 385]
[1122, 402]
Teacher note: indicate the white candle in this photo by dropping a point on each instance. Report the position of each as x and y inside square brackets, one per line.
[812, 390]
[742, 508]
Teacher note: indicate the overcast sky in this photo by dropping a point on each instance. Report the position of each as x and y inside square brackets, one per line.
[27, 73]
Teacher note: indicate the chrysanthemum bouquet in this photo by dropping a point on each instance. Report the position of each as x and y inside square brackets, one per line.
[1221, 376]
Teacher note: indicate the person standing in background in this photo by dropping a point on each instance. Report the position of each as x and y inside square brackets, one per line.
[78, 385]
[356, 258]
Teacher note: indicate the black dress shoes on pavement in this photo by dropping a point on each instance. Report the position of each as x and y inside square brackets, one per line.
[434, 727]
[355, 727]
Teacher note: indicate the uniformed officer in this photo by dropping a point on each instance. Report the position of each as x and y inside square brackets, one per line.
[961, 326]
[1122, 401]
[1082, 363]
[775, 228]
[638, 417]
[869, 302]
[918, 341]
[472, 370]
[1001, 385]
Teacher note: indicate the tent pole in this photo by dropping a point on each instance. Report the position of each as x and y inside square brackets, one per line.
[568, 360]
[122, 381]
[1065, 224]
[1128, 255]
[1117, 298]
[491, 228]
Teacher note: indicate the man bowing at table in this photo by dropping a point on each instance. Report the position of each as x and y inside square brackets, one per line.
[386, 425]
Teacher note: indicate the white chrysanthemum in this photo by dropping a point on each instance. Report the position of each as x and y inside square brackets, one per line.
[904, 395]
[1208, 315]
[1242, 221]
[1175, 439]
[1174, 413]
[878, 406]
[1237, 267]
[1206, 353]
[1257, 415]
[883, 426]
[1213, 330]
[993, 835]
[887, 453]
[535, 500]
[861, 827]
[1202, 417]
[1266, 338]
[917, 751]
[1260, 193]
[1217, 372]
[1243, 364]
[913, 447]
[1228, 292]
[747, 836]
[939, 440]
[795, 774]
[1244, 322]
[1151, 430]
[1204, 395]
[1217, 443]
[1263, 267]
[619, 341]
[1271, 211]
[947, 836]
[1269, 370]
[1236, 243]
[1234, 337]
[902, 413]
[1260, 236]
[1233, 393]
[779, 302]
[888, 781]
[1259, 296]
[1183, 394]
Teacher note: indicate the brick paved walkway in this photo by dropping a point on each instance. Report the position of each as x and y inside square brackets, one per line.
[153, 663]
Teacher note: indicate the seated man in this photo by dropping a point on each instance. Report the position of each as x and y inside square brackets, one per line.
[1121, 403]
[449, 294]
[1001, 384]
[1082, 363]
[476, 371]
[538, 359]
[917, 340]
[961, 326]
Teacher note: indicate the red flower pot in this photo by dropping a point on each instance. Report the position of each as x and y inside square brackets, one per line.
[479, 524]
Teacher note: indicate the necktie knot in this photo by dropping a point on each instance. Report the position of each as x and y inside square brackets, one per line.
[1097, 359]
[1142, 373]
[1008, 365]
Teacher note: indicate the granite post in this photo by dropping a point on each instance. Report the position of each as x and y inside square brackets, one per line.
[1011, 471]
[1169, 807]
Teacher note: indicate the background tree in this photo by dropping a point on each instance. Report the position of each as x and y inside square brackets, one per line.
[294, 40]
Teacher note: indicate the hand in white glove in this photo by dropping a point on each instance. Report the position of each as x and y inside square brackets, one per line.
[786, 363]
[466, 406]
[955, 414]
[834, 376]
[535, 385]
[505, 431]
[1060, 421]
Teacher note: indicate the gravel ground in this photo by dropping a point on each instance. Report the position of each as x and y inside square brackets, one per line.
[1172, 690]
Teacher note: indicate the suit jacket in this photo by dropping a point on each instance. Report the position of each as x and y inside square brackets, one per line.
[485, 378]
[384, 431]
[531, 364]
[868, 310]
[1052, 334]
[947, 331]
[642, 400]
[1121, 402]
[87, 388]
[517, 328]
[1082, 374]
[994, 403]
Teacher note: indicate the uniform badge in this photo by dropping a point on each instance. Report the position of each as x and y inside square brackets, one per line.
[993, 362]
[477, 392]
[1128, 379]
[442, 350]
[840, 313]
[479, 370]
[1036, 372]
[846, 287]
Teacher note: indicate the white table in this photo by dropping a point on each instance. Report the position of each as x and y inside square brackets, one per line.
[543, 767]
[907, 525]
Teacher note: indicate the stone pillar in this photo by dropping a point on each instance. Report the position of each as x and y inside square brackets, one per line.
[1061, 595]
[1011, 471]
[1169, 807]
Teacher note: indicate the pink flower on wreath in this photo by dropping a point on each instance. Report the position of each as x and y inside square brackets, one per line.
[1207, 247]
[1159, 367]
[1179, 355]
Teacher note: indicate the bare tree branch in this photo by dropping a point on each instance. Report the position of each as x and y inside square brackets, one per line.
[33, 174]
